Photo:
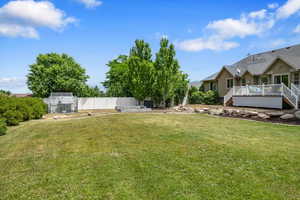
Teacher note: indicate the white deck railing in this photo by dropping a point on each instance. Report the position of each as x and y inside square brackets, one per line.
[291, 95]
[258, 90]
[296, 89]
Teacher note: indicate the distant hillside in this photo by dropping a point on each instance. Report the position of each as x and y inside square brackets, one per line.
[196, 83]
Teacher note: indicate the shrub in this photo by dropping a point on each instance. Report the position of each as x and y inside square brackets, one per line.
[208, 98]
[15, 110]
[13, 117]
[2, 127]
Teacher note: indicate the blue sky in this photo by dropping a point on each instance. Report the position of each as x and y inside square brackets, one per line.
[208, 33]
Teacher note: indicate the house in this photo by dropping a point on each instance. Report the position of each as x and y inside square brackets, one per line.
[270, 79]
[21, 95]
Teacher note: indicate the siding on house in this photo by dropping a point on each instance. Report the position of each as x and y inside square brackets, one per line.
[222, 82]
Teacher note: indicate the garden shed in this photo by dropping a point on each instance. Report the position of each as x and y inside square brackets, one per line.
[62, 102]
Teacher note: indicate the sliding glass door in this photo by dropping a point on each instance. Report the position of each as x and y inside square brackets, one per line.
[278, 79]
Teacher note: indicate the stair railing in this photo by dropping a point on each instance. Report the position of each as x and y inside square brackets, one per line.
[290, 95]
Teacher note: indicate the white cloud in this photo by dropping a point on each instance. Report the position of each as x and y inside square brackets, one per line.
[289, 8]
[91, 3]
[22, 17]
[252, 24]
[297, 29]
[212, 43]
[273, 5]
[261, 14]
[12, 83]
[277, 43]
[222, 31]
[229, 28]
[15, 30]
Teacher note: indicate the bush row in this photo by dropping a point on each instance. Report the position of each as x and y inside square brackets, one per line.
[15, 110]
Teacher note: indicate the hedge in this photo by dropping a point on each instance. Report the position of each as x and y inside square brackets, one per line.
[2, 127]
[15, 110]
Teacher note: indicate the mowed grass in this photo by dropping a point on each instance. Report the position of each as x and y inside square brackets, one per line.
[150, 156]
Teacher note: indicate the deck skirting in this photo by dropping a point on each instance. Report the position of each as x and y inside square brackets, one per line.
[258, 101]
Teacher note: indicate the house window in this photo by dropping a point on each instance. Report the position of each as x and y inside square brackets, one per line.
[296, 79]
[264, 80]
[256, 80]
[212, 86]
[243, 82]
[229, 83]
[278, 79]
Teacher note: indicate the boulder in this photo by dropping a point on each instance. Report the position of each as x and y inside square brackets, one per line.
[205, 109]
[251, 113]
[275, 114]
[297, 114]
[216, 111]
[287, 116]
[199, 110]
[90, 114]
[229, 111]
[263, 116]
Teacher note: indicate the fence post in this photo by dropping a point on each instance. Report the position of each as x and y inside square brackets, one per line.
[263, 89]
[247, 90]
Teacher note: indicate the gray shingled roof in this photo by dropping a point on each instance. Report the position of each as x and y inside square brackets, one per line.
[257, 64]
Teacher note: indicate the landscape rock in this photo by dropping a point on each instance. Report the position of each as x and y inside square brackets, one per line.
[205, 109]
[287, 116]
[275, 114]
[251, 113]
[297, 114]
[216, 111]
[229, 111]
[263, 116]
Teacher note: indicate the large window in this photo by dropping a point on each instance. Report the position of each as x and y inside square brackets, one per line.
[212, 86]
[229, 83]
[278, 79]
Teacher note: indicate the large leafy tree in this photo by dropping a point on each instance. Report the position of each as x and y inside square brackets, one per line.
[167, 72]
[117, 78]
[140, 77]
[56, 73]
[140, 70]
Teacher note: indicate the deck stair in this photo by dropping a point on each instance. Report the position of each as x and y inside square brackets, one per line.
[290, 96]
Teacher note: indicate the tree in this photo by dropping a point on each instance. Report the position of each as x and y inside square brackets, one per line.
[140, 77]
[182, 86]
[141, 50]
[92, 92]
[140, 70]
[4, 92]
[166, 72]
[56, 73]
[117, 78]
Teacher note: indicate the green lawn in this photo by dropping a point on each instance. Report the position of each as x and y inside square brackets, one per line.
[150, 156]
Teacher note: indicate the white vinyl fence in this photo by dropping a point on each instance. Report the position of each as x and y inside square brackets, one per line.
[105, 102]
